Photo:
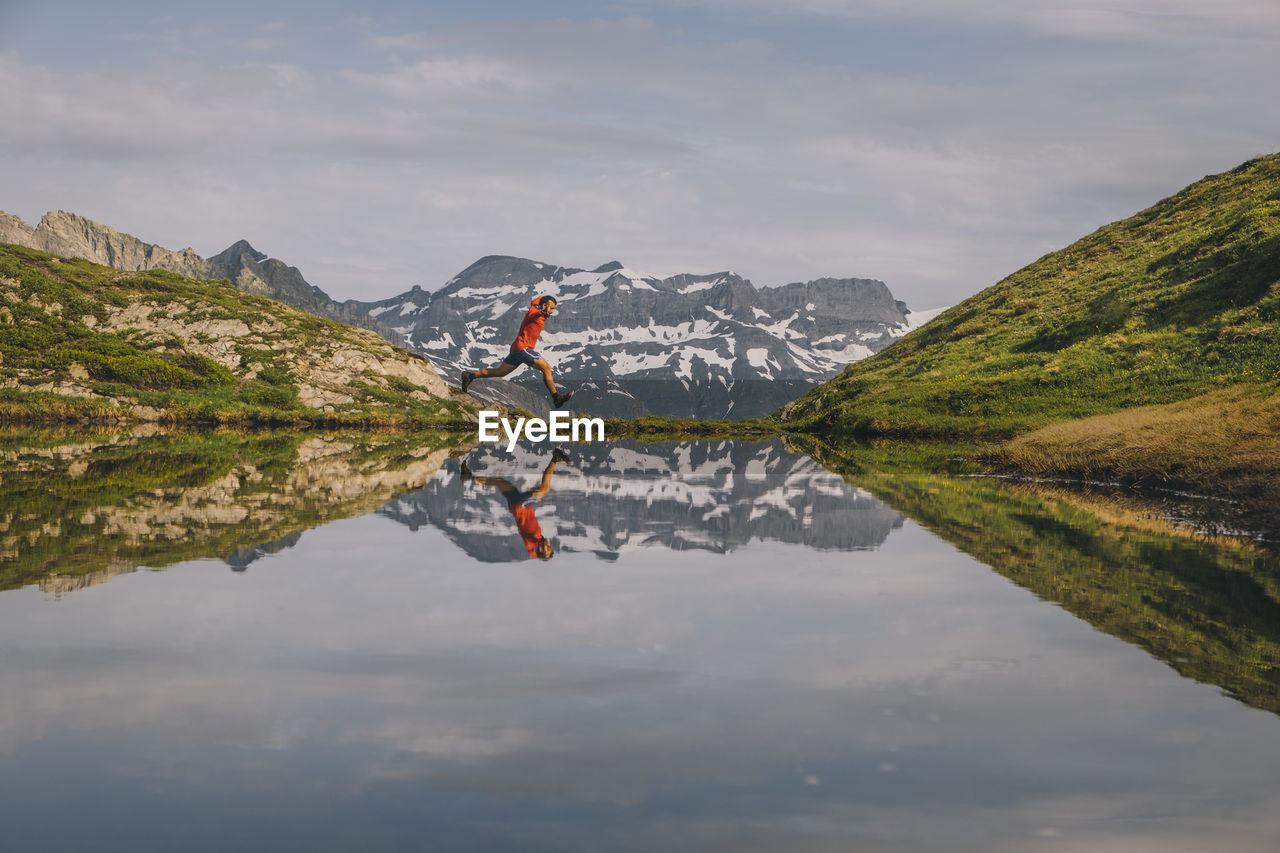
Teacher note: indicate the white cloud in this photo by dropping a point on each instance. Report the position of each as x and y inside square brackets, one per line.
[478, 76]
[1152, 21]
[579, 141]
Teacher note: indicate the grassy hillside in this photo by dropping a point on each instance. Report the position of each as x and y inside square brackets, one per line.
[80, 341]
[1179, 300]
[1226, 443]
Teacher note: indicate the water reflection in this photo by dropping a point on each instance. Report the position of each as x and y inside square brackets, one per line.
[78, 510]
[521, 503]
[1209, 606]
[774, 659]
[626, 497]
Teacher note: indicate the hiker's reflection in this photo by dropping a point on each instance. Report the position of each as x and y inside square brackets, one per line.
[521, 503]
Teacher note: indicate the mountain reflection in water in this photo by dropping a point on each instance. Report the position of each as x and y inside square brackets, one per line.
[79, 510]
[706, 495]
[894, 657]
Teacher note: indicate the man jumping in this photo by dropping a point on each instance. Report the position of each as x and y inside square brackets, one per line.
[522, 351]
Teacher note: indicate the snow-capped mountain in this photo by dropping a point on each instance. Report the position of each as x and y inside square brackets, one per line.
[627, 343]
[624, 496]
[631, 343]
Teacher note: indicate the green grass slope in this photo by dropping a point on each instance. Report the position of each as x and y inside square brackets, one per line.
[83, 342]
[1179, 300]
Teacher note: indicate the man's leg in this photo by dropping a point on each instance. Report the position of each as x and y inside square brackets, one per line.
[494, 372]
[543, 487]
[556, 399]
[488, 373]
[502, 484]
[543, 366]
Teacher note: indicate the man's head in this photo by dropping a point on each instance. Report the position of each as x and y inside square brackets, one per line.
[547, 304]
[544, 551]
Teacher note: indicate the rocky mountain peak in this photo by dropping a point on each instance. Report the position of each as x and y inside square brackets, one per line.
[72, 235]
[499, 270]
[233, 255]
[14, 230]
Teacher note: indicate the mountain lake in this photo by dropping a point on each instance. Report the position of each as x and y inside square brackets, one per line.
[284, 641]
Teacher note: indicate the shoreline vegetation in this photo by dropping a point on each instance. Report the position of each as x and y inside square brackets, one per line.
[43, 409]
[1173, 303]
[1224, 444]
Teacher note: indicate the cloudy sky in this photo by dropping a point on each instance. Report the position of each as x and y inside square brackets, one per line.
[937, 145]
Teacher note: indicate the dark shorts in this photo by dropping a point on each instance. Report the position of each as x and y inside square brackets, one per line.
[522, 356]
[515, 499]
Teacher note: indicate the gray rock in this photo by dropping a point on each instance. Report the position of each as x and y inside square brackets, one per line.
[73, 236]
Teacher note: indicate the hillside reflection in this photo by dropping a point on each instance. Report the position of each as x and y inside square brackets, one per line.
[1207, 605]
[77, 510]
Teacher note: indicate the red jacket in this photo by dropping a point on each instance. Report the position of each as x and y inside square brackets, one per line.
[530, 529]
[530, 327]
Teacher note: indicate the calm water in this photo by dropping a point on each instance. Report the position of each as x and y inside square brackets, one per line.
[349, 647]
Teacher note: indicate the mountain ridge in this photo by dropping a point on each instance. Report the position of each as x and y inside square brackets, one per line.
[71, 235]
[630, 344]
[710, 345]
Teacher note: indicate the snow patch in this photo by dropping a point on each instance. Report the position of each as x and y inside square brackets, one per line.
[624, 362]
[487, 293]
[916, 319]
[710, 356]
[701, 285]
[850, 353]
[695, 330]
[759, 358]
